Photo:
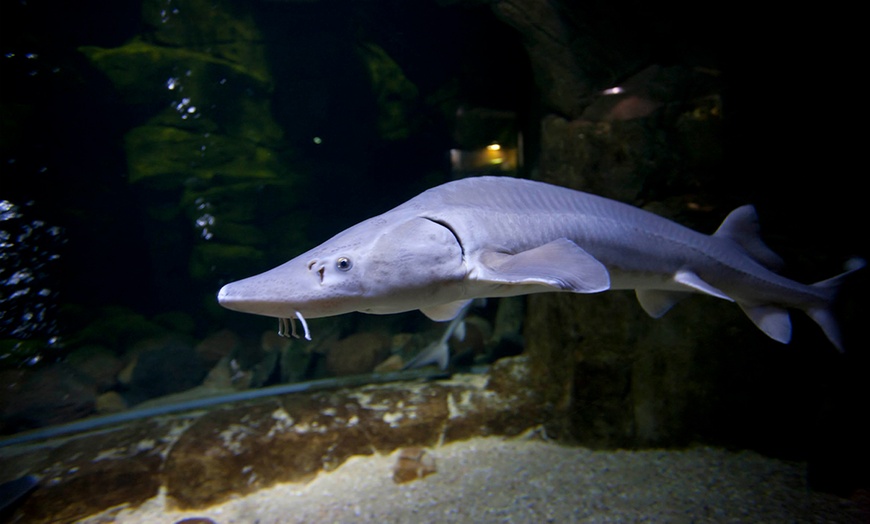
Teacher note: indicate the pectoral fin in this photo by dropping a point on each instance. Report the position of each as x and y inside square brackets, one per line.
[560, 265]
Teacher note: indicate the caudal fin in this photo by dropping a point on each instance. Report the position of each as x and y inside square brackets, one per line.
[741, 227]
[823, 316]
[775, 321]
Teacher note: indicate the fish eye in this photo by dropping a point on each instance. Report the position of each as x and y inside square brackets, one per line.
[343, 263]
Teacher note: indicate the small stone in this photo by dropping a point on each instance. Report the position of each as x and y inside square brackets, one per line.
[393, 363]
[196, 520]
[110, 402]
[218, 377]
[125, 376]
[98, 364]
[164, 366]
[412, 464]
[400, 340]
[217, 346]
[357, 354]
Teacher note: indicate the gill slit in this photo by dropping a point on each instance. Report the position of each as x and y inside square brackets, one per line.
[452, 232]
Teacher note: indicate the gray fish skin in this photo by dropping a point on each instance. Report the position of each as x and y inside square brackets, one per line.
[501, 236]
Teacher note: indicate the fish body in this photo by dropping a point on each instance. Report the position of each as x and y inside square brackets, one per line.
[500, 236]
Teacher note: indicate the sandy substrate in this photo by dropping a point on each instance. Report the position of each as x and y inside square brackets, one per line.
[489, 480]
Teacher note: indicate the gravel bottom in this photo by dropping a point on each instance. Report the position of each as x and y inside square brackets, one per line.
[489, 480]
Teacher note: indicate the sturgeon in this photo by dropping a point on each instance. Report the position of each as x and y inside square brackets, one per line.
[500, 236]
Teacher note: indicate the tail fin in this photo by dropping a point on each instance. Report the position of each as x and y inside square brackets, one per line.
[823, 316]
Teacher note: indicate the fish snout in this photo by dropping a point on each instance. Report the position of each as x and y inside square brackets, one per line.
[229, 298]
[243, 297]
[225, 296]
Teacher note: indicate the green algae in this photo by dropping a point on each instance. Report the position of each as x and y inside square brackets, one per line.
[395, 95]
[207, 147]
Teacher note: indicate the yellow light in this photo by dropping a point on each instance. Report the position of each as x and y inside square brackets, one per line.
[493, 147]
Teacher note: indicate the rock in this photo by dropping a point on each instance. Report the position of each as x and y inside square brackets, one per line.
[393, 363]
[185, 148]
[357, 354]
[87, 475]
[237, 450]
[154, 65]
[44, 397]
[564, 67]
[272, 341]
[223, 30]
[98, 364]
[472, 346]
[110, 402]
[164, 366]
[396, 96]
[618, 378]
[211, 455]
[400, 340]
[648, 91]
[220, 377]
[117, 328]
[412, 464]
[294, 362]
[264, 370]
[611, 161]
[217, 346]
[125, 376]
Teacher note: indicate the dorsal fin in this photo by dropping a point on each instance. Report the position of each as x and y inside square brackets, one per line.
[741, 227]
